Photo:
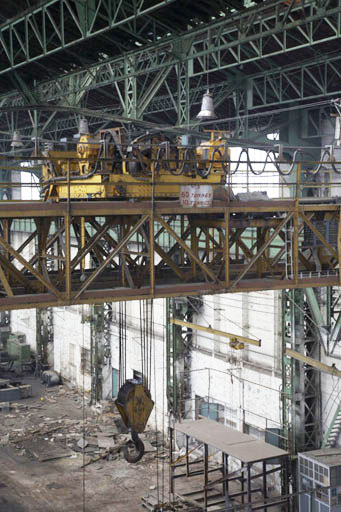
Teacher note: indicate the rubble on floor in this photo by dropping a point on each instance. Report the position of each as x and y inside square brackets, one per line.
[55, 440]
[152, 503]
[97, 435]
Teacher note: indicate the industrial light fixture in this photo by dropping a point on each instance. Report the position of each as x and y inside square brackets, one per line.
[83, 126]
[16, 140]
[207, 107]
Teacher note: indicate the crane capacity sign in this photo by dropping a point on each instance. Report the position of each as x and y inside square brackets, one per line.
[199, 196]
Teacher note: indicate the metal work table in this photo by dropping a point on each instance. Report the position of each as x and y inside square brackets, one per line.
[232, 443]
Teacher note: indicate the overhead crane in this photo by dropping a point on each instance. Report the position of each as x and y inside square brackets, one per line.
[111, 228]
[206, 252]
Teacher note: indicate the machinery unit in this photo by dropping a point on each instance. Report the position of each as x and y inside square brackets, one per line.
[17, 349]
[319, 473]
[108, 166]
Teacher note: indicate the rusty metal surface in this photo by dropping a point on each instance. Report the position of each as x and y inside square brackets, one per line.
[90, 252]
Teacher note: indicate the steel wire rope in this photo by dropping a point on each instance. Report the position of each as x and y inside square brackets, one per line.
[83, 412]
[153, 348]
[163, 402]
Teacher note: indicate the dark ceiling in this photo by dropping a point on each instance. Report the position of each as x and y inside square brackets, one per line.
[169, 20]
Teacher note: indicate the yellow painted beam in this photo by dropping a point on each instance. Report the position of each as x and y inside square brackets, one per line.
[224, 334]
[313, 362]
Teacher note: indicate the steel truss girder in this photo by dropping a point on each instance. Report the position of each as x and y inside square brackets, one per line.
[241, 39]
[147, 105]
[225, 45]
[131, 251]
[304, 81]
[59, 24]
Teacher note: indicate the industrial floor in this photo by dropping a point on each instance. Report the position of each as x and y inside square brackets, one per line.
[40, 473]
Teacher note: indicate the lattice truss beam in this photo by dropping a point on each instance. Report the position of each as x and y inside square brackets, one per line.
[56, 25]
[254, 34]
[123, 251]
[242, 55]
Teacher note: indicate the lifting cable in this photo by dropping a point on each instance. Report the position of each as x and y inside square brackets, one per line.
[122, 336]
[148, 362]
[145, 337]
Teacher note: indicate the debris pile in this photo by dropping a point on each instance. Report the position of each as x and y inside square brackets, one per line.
[97, 434]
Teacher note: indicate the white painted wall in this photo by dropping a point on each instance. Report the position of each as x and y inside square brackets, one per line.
[255, 315]
[330, 394]
[246, 381]
[70, 336]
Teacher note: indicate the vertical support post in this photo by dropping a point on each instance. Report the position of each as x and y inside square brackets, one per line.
[243, 483]
[205, 473]
[44, 333]
[295, 243]
[265, 490]
[96, 343]
[130, 88]
[82, 242]
[67, 221]
[224, 473]
[187, 458]
[183, 105]
[285, 472]
[227, 248]
[6, 226]
[339, 245]
[194, 249]
[298, 181]
[171, 467]
[226, 482]
[123, 231]
[260, 242]
[242, 99]
[295, 223]
[249, 494]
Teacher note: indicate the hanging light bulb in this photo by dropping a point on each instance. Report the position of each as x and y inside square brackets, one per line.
[83, 126]
[16, 140]
[207, 108]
